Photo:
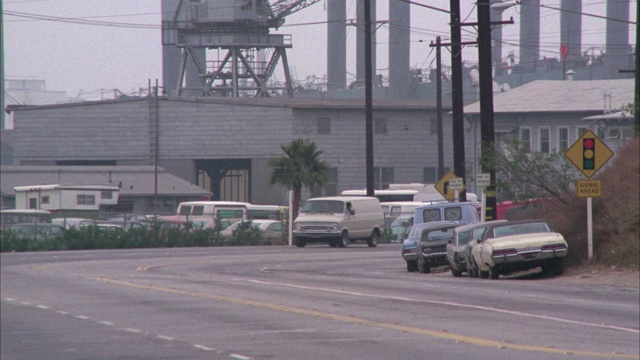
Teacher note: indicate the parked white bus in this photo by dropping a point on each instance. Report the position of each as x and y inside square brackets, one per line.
[210, 210]
[21, 216]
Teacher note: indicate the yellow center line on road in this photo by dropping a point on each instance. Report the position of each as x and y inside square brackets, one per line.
[371, 323]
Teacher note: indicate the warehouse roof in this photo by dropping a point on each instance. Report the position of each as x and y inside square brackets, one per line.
[562, 96]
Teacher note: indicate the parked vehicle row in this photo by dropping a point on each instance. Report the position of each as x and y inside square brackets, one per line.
[485, 249]
[428, 216]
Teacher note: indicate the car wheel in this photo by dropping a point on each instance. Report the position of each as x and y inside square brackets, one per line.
[412, 266]
[344, 240]
[455, 273]
[423, 265]
[301, 242]
[373, 241]
[483, 274]
[472, 271]
[493, 272]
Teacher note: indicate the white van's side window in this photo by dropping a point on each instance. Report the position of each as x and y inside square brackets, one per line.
[429, 215]
[453, 214]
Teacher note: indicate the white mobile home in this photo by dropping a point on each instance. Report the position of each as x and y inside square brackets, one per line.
[66, 197]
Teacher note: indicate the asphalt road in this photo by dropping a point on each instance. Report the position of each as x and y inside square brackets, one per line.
[315, 302]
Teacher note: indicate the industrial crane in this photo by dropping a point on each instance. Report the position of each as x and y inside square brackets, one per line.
[240, 31]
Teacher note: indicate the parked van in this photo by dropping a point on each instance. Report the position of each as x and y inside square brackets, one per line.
[393, 209]
[461, 212]
[339, 220]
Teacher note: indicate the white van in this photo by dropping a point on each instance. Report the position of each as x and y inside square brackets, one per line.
[339, 220]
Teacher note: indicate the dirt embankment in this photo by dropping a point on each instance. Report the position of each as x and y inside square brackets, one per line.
[600, 275]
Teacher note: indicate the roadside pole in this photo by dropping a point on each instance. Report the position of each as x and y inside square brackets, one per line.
[483, 180]
[589, 228]
[290, 220]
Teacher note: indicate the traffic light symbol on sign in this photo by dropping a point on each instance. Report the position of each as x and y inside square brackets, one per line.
[588, 154]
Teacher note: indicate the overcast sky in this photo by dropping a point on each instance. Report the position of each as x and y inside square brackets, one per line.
[90, 47]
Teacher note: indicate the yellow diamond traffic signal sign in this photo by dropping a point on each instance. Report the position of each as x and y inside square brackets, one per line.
[443, 186]
[588, 153]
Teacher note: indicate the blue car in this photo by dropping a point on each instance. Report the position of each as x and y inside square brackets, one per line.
[411, 242]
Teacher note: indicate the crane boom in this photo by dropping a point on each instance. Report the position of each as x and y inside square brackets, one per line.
[282, 8]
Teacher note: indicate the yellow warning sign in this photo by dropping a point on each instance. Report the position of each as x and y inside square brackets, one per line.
[589, 188]
[444, 188]
[588, 153]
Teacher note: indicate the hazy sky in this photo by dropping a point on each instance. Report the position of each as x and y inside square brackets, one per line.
[90, 47]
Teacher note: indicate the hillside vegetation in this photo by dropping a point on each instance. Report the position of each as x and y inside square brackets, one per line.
[616, 214]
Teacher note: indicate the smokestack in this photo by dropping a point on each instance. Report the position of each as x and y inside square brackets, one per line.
[571, 29]
[399, 48]
[360, 56]
[529, 32]
[336, 44]
[496, 41]
[617, 49]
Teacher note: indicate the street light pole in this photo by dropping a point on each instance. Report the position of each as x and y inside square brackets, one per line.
[487, 134]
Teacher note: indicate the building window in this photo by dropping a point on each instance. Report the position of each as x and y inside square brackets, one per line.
[382, 177]
[86, 200]
[380, 125]
[429, 175]
[525, 139]
[331, 188]
[600, 132]
[614, 134]
[544, 145]
[106, 194]
[33, 203]
[45, 200]
[582, 130]
[324, 125]
[563, 139]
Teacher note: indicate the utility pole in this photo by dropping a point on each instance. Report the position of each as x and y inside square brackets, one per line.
[368, 73]
[439, 106]
[487, 131]
[457, 102]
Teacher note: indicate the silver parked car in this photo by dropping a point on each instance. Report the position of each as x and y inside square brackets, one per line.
[271, 230]
[459, 248]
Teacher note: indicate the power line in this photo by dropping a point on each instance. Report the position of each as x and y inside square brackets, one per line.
[82, 21]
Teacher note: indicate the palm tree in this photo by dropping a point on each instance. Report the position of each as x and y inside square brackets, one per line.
[299, 167]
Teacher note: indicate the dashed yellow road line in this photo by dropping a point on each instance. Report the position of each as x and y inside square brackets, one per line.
[378, 324]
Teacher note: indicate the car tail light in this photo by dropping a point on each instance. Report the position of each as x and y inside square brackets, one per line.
[407, 251]
[552, 247]
[504, 252]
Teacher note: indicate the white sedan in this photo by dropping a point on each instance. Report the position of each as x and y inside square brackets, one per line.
[271, 230]
[519, 245]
